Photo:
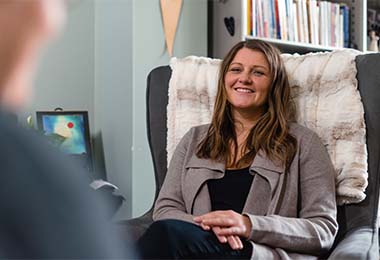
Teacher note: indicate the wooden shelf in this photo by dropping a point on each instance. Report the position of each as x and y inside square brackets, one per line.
[295, 47]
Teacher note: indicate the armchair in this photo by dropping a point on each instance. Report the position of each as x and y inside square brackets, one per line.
[358, 232]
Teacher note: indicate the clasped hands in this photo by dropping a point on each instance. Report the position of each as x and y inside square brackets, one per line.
[227, 225]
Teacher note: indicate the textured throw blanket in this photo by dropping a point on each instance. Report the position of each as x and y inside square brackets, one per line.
[325, 91]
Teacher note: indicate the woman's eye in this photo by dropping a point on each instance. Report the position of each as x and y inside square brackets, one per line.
[235, 69]
[258, 73]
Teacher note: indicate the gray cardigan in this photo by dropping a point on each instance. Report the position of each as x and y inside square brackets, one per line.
[293, 214]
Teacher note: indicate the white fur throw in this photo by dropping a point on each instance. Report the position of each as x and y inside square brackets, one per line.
[324, 88]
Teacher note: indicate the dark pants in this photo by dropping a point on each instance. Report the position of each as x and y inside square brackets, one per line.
[175, 239]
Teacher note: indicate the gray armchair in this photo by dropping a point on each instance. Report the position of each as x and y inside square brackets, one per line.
[358, 232]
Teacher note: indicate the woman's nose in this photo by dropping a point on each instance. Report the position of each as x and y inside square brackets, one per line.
[245, 78]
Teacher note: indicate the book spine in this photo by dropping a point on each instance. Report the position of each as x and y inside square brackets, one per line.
[300, 21]
[254, 17]
[260, 25]
[272, 19]
[332, 25]
[341, 32]
[278, 24]
[305, 22]
[346, 25]
[284, 24]
[322, 21]
[338, 27]
[249, 17]
[310, 23]
[316, 21]
[290, 19]
[295, 24]
[266, 20]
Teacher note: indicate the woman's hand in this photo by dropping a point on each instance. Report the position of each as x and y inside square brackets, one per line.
[227, 225]
[234, 241]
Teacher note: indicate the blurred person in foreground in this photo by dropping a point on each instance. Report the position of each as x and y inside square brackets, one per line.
[48, 209]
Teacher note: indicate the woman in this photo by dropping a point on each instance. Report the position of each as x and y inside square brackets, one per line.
[251, 184]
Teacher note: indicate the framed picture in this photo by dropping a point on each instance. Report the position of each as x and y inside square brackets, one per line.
[371, 16]
[68, 130]
[373, 20]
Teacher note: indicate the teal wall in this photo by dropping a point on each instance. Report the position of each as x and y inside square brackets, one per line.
[149, 52]
[100, 64]
[65, 76]
[114, 93]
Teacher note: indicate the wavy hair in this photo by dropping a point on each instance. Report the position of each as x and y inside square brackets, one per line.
[270, 134]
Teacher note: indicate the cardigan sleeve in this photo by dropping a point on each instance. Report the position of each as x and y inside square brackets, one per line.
[314, 230]
[170, 203]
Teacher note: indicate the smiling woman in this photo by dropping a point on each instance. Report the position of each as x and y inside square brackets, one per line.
[247, 84]
[252, 183]
[251, 121]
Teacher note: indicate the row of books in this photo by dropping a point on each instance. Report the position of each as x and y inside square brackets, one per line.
[309, 21]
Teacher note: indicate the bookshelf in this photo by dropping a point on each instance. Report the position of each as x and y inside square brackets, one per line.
[225, 15]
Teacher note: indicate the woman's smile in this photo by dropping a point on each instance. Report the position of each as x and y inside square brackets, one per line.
[247, 82]
[244, 90]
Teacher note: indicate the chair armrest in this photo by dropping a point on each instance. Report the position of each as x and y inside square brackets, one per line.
[136, 227]
[361, 243]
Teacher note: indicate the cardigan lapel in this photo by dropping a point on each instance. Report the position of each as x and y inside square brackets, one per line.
[267, 175]
[268, 169]
[198, 172]
[266, 172]
[196, 162]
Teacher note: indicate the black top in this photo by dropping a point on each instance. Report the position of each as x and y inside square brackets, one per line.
[230, 192]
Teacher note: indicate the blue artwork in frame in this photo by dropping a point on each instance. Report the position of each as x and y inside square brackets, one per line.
[69, 130]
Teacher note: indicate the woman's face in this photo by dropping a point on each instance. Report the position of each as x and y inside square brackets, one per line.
[248, 81]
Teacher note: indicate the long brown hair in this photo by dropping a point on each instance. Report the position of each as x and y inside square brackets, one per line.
[270, 134]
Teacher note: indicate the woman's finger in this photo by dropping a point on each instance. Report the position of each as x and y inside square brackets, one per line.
[230, 231]
[205, 227]
[219, 221]
[235, 242]
[214, 214]
[222, 239]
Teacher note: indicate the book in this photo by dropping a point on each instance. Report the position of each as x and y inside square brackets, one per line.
[305, 22]
[300, 30]
[345, 10]
[310, 23]
[295, 22]
[253, 18]
[249, 17]
[290, 19]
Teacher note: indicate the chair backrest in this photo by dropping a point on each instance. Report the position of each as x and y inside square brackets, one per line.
[350, 217]
[364, 214]
[157, 101]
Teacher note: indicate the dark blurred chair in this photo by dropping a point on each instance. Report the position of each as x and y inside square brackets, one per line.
[156, 103]
[358, 233]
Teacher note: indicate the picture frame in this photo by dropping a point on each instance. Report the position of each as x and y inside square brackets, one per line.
[70, 132]
[371, 16]
[373, 20]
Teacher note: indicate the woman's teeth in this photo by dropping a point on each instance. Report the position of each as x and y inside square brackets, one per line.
[244, 90]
